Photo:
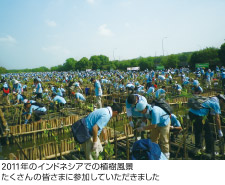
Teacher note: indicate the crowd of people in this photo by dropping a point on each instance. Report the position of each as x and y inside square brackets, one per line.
[144, 90]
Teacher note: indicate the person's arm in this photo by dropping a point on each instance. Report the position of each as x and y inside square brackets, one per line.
[29, 116]
[105, 135]
[95, 133]
[218, 122]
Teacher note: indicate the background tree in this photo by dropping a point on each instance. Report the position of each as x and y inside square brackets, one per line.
[208, 55]
[70, 64]
[222, 54]
[3, 70]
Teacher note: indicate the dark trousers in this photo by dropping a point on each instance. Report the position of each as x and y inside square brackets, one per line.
[198, 131]
[38, 114]
[39, 95]
[223, 83]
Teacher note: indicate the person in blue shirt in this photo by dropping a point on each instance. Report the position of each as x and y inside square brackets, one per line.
[208, 78]
[160, 125]
[60, 100]
[130, 87]
[140, 89]
[122, 87]
[25, 87]
[196, 89]
[79, 97]
[175, 126]
[96, 122]
[76, 86]
[150, 91]
[98, 92]
[223, 79]
[37, 110]
[177, 88]
[61, 91]
[131, 110]
[17, 87]
[160, 93]
[19, 98]
[211, 108]
[38, 87]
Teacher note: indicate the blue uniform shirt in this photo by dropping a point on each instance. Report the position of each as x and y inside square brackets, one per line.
[34, 107]
[39, 88]
[157, 116]
[151, 90]
[100, 117]
[211, 105]
[174, 121]
[98, 89]
[59, 99]
[79, 96]
[159, 92]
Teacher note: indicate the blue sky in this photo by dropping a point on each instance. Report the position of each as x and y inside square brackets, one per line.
[36, 33]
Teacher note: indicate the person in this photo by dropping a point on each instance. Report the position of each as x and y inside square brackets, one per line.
[38, 87]
[150, 92]
[208, 78]
[160, 93]
[160, 125]
[131, 110]
[177, 88]
[130, 87]
[19, 98]
[60, 100]
[98, 92]
[36, 109]
[210, 108]
[223, 78]
[17, 87]
[77, 86]
[5, 94]
[175, 127]
[96, 122]
[79, 97]
[61, 91]
[196, 89]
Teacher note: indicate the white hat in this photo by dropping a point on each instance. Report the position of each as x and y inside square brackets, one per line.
[16, 82]
[25, 100]
[141, 105]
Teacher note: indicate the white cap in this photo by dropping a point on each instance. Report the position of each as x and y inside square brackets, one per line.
[25, 100]
[141, 105]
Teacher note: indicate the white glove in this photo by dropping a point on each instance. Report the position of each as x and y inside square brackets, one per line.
[95, 146]
[171, 127]
[143, 124]
[139, 129]
[220, 133]
[132, 124]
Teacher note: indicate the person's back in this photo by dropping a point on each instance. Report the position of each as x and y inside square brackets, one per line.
[100, 117]
[59, 99]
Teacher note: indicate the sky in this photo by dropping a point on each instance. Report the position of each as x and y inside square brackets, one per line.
[35, 33]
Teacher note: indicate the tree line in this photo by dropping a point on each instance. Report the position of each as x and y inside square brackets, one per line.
[213, 56]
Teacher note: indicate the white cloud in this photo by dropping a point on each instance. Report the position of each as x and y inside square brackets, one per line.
[8, 39]
[91, 1]
[50, 23]
[56, 50]
[103, 30]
